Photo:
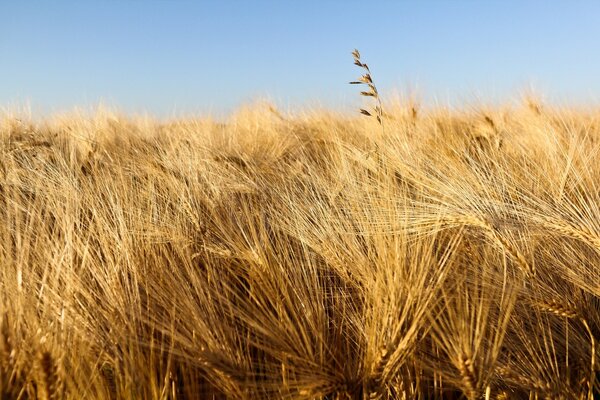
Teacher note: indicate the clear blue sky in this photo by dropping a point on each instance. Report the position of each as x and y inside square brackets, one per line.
[174, 56]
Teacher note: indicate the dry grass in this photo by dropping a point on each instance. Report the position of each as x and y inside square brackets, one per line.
[272, 257]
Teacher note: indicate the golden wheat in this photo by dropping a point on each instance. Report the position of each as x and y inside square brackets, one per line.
[268, 256]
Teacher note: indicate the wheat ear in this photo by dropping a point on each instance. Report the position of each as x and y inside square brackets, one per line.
[468, 377]
[366, 79]
[48, 379]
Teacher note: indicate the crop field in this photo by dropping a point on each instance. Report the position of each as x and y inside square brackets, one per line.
[433, 254]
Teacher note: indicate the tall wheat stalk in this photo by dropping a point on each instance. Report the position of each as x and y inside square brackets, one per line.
[372, 92]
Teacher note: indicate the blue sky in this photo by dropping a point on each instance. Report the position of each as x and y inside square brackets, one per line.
[174, 57]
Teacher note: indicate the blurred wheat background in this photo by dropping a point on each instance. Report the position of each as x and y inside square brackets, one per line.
[453, 254]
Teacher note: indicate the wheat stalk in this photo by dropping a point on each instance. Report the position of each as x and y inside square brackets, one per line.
[366, 79]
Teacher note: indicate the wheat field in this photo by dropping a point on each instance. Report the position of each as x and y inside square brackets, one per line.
[311, 255]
